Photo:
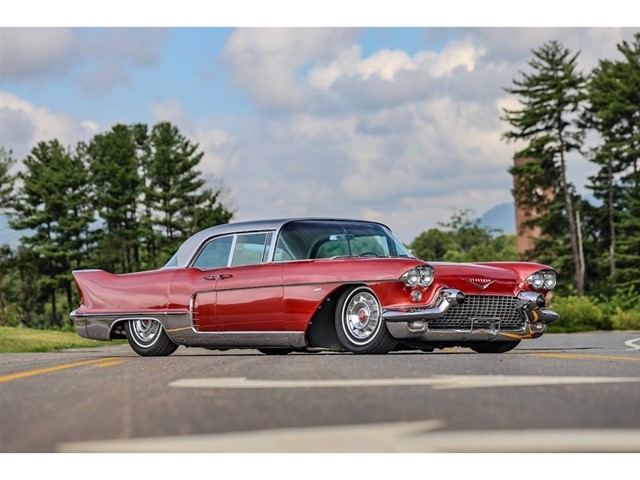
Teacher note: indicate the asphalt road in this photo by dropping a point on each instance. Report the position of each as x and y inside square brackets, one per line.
[567, 393]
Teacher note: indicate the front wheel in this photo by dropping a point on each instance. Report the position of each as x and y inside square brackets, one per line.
[493, 347]
[359, 324]
[147, 338]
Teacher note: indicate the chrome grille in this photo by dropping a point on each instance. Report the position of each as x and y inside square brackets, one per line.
[482, 310]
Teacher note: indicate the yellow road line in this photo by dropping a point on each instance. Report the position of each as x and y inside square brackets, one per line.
[581, 356]
[41, 371]
[109, 363]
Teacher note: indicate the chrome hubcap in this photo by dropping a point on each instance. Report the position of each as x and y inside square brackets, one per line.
[362, 317]
[145, 332]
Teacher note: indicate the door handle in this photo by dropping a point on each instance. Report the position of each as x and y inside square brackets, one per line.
[217, 277]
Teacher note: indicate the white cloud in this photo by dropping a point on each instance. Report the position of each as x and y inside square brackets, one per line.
[265, 62]
[97, 59]
[22, 124]
[29, 52]
[407, 138]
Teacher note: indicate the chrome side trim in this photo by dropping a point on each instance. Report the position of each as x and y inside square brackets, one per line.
[191, 338]
[180, 330]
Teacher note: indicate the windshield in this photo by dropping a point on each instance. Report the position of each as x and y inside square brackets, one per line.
[310, 239]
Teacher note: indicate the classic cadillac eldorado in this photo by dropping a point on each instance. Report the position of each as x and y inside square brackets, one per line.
[308, 285]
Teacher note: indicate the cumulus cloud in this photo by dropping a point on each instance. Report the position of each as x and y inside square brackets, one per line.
[265, 62]
[138, 46]
[408, 139]
[22, 124]
[404, 137]
[97, 58]
[29, 52]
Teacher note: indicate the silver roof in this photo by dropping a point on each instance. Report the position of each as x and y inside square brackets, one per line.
[192, 244]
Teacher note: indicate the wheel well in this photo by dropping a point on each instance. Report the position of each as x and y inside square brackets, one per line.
[321, 331]
[117, 330]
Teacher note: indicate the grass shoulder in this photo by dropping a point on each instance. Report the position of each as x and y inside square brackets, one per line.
[24, 340]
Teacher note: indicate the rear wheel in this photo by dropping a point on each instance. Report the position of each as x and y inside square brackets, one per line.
[147, 338]
[493, 347]
[359, 324]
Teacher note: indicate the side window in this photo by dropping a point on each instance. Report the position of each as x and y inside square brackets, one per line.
[215, 254]
[250, 249]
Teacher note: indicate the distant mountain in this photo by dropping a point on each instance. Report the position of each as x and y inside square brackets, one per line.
[7, 235]
[501, 217]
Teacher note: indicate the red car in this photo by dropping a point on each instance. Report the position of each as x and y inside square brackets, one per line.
[309, 285]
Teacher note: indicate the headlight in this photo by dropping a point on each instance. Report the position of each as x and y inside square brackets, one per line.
[421, 275]
[542, 279]
[536, 280]
[549, 280]
[411, 278]
[426, 276]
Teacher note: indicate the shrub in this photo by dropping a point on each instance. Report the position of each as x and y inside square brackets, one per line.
[626, 320]
[578, 314]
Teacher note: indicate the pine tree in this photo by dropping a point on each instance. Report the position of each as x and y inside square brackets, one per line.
[175, 192]
[614, 112]
[53, 206]
[6, 179]
[552, 97]
[114, 160]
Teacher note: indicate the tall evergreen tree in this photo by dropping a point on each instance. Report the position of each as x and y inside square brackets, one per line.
[53, 206]
[6, 264]
[614, 112]
[552, 97]
[6, 179]
[175, 192]
[115, 159]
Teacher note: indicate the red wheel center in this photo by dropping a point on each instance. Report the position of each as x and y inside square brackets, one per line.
[362, 315]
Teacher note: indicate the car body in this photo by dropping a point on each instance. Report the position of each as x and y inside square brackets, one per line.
[311, 284]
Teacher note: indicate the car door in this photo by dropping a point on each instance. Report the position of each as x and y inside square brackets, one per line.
[249, 299]
[212, 259]
[249, 290]
[240, 292]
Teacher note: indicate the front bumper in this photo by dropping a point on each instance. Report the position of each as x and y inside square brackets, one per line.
[413, 323]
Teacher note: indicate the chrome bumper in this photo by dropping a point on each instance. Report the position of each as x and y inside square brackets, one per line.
[447, 298]
[413, 323]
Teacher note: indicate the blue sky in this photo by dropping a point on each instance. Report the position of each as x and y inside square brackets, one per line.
[394, 124]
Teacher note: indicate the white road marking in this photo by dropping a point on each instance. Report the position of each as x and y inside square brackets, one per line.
[406, 437]
[439, 382]
[634, 343]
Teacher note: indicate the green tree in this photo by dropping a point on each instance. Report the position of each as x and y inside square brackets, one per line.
[552, 97]
[115, 161]
[175, 192]
[6, 266]
[464, 239]
[614, 112]
[432, 245]
[52, 205]
[6, 179]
